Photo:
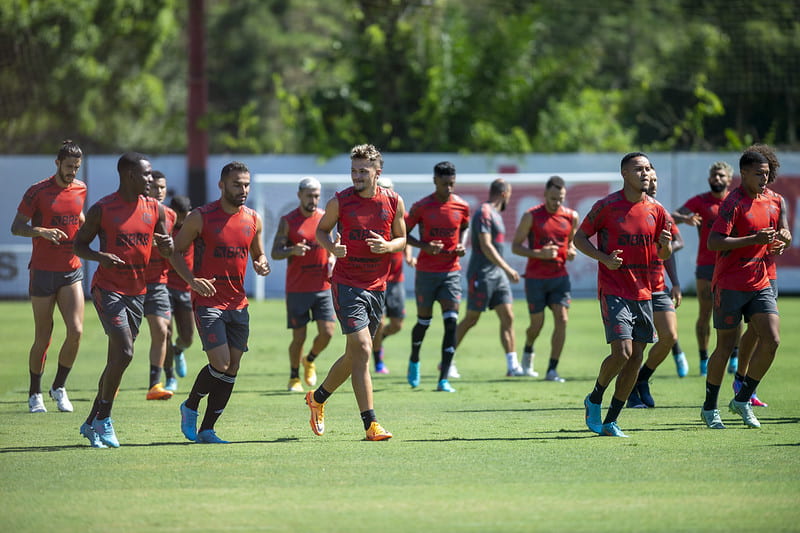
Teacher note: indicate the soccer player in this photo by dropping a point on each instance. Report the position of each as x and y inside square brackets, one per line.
[549, 230]
[749, 339]
[701, 211]
[742, 235]
[632, 231]
[443, 218]
[50, 213]
[370, 227]
[664, 316]
[395, 305]
[488, 273]
[224, 232]
[180, 302]
[308, 290]
[127, 223]
[157, 309]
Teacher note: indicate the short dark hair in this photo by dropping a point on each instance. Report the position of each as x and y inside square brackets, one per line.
[498, 186]
[233, 166]
[158, 175]
[69, 149]
[180, 204]
[444, 168]
[631, 155]
[750, 158]
[368, 152]
[555, 181]
[768, 152]
[130, 161]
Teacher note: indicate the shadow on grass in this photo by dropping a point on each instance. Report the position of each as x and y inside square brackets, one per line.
[26, 449]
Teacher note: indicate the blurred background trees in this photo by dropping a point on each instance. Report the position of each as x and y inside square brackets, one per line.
[316, 76]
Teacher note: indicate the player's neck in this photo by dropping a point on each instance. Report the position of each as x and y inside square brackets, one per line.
[228, 207]
[306, 213]
[720, 195]
[129, 195]
[440, 198]
[632, 195]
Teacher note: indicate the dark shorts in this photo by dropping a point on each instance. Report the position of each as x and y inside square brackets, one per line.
[222, 326]
[357, 308]
[774, 284]
[395, 304]
[431, 287]
[304, 306]
[627, 319]
[46, 283]
[662, 302]
[705, 272]
[545, 292]
[179, 299]
[156, 301]
[118, 312]
[487, 292]
[730, 306]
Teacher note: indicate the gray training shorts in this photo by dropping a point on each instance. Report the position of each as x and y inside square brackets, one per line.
[301, 307]
[222, 326]
[45, 283]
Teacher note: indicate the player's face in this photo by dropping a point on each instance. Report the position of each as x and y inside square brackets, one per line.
[653, 189]
[158, 189]
[364, 174]
[445, 185]
[506, 198]
[754, 178]
[554, 198]
[718, 180]
[235, 187]
[67, 170]
[142, 177]
[309, 199]
[637, 174]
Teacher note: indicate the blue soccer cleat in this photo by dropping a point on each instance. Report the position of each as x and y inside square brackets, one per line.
[413, 374]
[681, 364]
[444, 386]
[208, 436]
[733, 365]
[179, 362]
[94, 440]
[189, 422]
[593, 420]
[172, 385]
[703, 367]
[104, 429]
[612, 430]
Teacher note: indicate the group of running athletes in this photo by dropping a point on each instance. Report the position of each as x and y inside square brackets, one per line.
[356, 274]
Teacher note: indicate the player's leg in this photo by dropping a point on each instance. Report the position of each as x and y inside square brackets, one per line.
[450, 323]
[43, 307]
[626, 379]
[666, 324]
[183, 320]
[159, 333]
[295, 354]
[703, 325]
[557, 340]
[222, 369]
[507, 338]
[536, 297]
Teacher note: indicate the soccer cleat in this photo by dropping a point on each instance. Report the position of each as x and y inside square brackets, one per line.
[635, 401]
[612, 430]
[309, 372]
[552, 375]
[189, 422]
[444, 386]
[172, 385]
[703, 367]
[295, 385]
[381, 368]
[643, 387]
[376, 432]
[711, 418]
[158, 392]
[413, 374]
[744, 410]
[208, 436]
[681, 364]
[36, 403]
[592, 411]
[755, 402]
[61, 399]
[452, 373]
[105, 431]
[733, 365]
[527, 365]
[515, 372]
[179, 361]
[94, 440]
[317, 414]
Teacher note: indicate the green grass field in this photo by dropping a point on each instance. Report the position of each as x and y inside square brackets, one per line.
[502, 454]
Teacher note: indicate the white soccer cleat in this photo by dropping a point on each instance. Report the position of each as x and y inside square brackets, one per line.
[36, 403]
[61, 399]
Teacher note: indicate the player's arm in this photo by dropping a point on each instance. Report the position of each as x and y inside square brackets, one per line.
[378, 245]
[571, 250]
[491, 253]
[22, 228]
[190, 230]
[521, 235]
[325, 227]
[86, 234]
[260, 263]
[281, 247]
[672, 273]
[783, 225]
[161, 237]
[684, 215]
[719, 242]
[463, 237]
[585, 246]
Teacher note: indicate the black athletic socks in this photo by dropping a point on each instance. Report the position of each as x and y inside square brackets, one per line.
[311, 356]
[712, 394]
[218, 398]
[294, 372]
[552, 364]
[368, 417]
[321, 395]
[202, 386]
[155, 375]
[614, 410]
[703, 355]
[417, 336]
[676, 348]
[36, 384]
[596, 395]
[644, 373]
[61, 376]
[748, 389]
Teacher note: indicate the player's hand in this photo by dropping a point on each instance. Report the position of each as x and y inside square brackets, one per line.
[665, 238]
[549, 251]
[53, 235]
[109, 260]
[676, 295]
[777, 247]
[377, 244]
[785, 235]
[694, 220]
[411, 261]
[434, 247]
[572, 252]
[203, 286]
[300, 248]
[339, 249]
[459, 250]
[513, 275]
[765, 236]
[614, 261]
[261, 266]
[162, 241]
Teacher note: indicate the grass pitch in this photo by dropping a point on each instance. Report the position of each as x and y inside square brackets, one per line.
[501, 454]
